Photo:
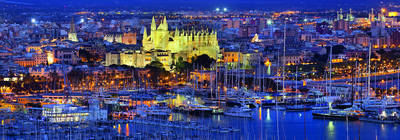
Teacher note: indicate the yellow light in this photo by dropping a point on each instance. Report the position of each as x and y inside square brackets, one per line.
[393, 14]
[383, 10]
[127, 129]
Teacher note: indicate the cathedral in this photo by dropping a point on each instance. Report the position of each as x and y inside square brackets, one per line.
[167, 46]
[183, 43]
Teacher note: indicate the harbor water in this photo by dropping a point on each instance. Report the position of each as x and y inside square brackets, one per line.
[292, 125]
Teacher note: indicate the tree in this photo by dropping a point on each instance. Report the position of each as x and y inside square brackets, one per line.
[27, 85]
[88, 57]
[76, 77]
[204, 61]
[182, 66]
[157, 72]
[337, 49]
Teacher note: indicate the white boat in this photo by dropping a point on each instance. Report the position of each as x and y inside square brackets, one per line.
[297, 108]
[239, 112]
[320, 108]
[154, 110]
[278, 108]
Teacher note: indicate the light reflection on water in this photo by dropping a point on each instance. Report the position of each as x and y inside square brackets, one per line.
[127, 129]
[291, 126]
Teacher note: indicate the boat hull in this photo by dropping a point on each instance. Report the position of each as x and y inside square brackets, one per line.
[334, 116]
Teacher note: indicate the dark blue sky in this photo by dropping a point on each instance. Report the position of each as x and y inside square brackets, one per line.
[211, 4]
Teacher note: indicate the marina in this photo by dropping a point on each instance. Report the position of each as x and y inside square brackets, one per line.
[262, 125]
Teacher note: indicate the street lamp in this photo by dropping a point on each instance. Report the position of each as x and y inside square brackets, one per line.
[33, 20]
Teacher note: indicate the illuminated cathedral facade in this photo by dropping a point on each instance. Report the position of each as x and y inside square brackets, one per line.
[167, 46]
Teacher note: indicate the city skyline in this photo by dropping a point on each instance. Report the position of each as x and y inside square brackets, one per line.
[210, 4]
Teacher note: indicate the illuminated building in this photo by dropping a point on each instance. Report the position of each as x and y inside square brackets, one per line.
[44, 71]
[13, 107]
[96, 113]
[247, 30]
[246, 59]
[66, 56]
[64, 113]
[233, 23]
[186, 44]
[125, 38]
[380, 37]
[255, 39]
[340, 23]
[165, 46]
[35, 59]
[72, 32]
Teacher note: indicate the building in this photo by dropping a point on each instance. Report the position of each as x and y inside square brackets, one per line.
[165, 46]
[342, 23]
[64, 113]
[72, 36]
[96, 113]
[124, 38]
[187, 44]
[44, 71]
[247, 59]
[13, 107]
[33, 60]
[67, 56]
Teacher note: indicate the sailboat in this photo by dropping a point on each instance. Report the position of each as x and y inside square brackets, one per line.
[296, 106]
[321, 102]
[348, 114]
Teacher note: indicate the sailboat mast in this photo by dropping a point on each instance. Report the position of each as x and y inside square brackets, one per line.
[369, 70]
[330, 71]
[284, 57]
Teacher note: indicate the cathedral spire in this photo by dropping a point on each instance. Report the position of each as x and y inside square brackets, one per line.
[164, 24]
[372, 15]
[153, 24]
[72, 32]
[144, 34]
[72, 26]
[165, 21]
[176, 32]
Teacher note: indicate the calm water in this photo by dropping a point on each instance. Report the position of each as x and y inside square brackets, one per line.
[292, 125]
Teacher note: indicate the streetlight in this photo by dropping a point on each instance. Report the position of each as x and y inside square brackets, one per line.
[82, 20]
[217, 9]
[225, 9]
[269, 21]
[33, 20]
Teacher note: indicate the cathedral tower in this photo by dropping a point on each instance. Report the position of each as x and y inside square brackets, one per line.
[72, 33]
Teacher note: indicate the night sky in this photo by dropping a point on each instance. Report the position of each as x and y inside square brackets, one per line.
[211, 4]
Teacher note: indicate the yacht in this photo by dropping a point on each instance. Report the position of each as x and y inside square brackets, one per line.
[385, 118]
[297, 107]
[239, 112]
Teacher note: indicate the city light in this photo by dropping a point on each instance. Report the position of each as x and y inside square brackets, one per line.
[33, 20]
[82, 20]
[225, 9]
[393, 14]
[217, 9]
[269, 21]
